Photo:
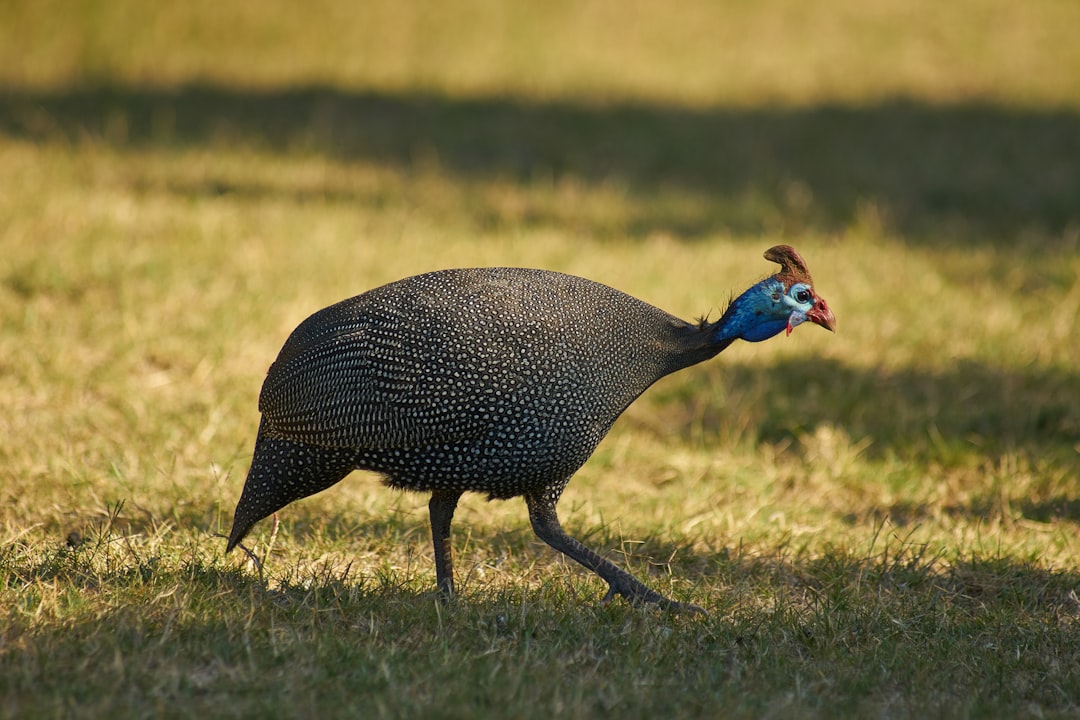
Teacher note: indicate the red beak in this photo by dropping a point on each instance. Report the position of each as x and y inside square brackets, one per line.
[821, 315]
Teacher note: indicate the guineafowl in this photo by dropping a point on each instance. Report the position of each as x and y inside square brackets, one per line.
[493, 380]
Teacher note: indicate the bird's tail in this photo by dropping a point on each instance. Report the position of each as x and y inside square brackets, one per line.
[283, 471]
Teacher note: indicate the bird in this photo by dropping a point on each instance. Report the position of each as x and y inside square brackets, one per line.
[492, 380]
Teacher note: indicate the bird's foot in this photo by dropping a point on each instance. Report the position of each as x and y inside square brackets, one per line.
[681, 607]
[638, 594]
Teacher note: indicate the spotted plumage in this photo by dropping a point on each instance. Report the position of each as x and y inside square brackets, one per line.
[500, 381]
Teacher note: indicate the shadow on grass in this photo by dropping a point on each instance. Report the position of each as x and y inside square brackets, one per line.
[191, 631]
[893, 614]
[890, 566]
[944, 417]
[968, 172]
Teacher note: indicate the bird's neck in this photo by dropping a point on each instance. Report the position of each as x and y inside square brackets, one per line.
[696, 342]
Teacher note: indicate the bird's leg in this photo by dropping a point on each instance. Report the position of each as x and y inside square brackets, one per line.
[441, 508]
[545, 523]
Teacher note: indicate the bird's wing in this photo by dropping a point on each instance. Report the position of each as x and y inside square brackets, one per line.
[368, 381]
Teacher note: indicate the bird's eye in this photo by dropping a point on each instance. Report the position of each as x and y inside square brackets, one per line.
[802, 295]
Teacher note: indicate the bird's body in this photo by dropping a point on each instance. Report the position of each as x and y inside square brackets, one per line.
[493, 380]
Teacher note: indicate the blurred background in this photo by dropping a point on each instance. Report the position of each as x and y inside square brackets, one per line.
[952, 124]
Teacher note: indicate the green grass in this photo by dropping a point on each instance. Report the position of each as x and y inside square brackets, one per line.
[884, 522]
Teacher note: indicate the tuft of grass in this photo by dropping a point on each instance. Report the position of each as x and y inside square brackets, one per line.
[847, 631]
[881, 522]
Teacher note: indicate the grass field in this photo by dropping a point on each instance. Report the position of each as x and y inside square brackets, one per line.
[884, 522]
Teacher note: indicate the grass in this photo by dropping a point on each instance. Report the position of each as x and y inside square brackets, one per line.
[883, 522]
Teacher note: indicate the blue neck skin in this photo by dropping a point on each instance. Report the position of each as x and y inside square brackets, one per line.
[758, 314]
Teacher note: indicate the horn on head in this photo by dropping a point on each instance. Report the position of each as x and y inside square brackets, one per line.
[791, 263]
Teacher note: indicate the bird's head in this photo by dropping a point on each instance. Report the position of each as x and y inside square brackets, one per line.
[780, 302]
